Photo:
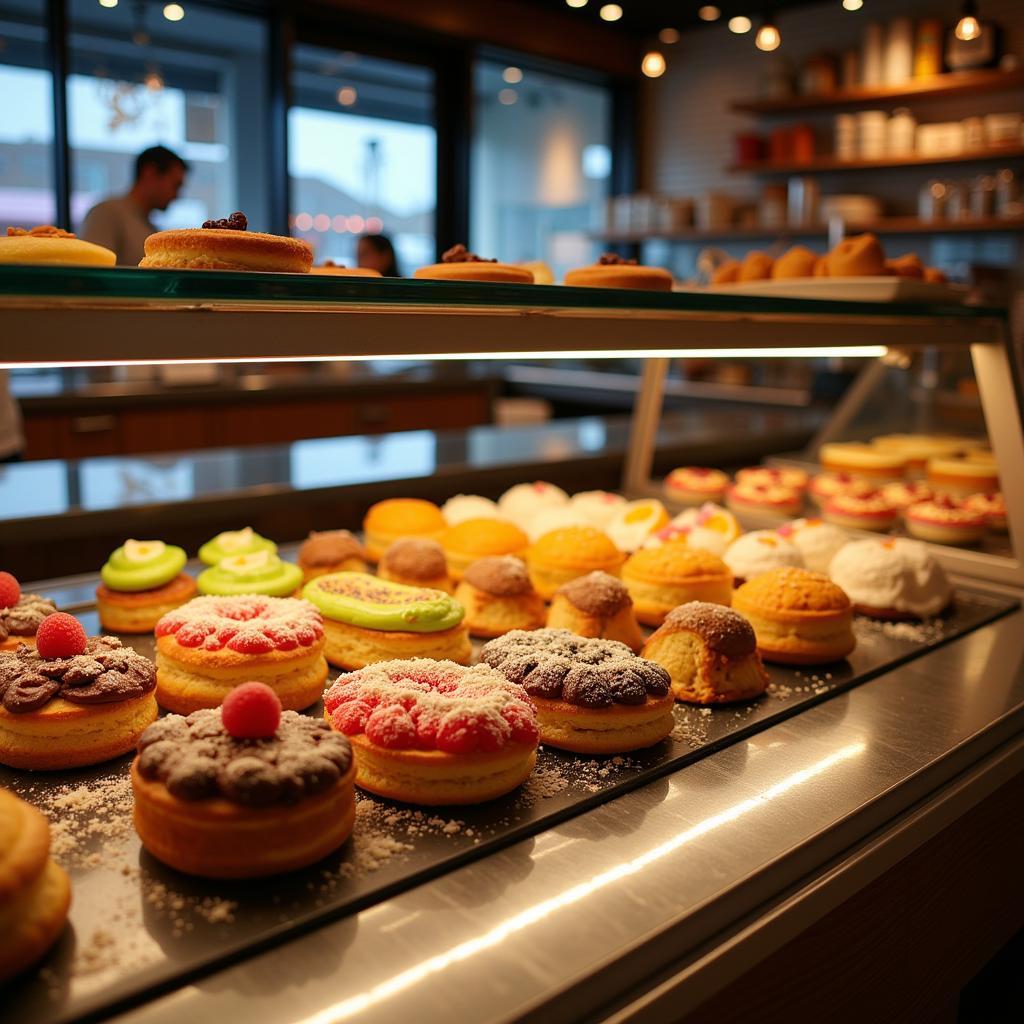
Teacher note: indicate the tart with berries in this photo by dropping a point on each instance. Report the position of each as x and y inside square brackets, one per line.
[944, 520]
[21, 615]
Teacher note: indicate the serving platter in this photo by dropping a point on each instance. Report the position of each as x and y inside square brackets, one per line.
[849, 289]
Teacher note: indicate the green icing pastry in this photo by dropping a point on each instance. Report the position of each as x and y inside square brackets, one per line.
[261, 572]
[359, 599]
[143, 565]
[234, 542]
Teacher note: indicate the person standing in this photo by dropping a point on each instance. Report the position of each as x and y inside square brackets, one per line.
[122, 223]
[375, 252]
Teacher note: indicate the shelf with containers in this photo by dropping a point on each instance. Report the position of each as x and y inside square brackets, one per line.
[470, 914]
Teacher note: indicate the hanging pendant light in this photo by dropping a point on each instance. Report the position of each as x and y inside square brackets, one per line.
[968, 27]
[768, 36]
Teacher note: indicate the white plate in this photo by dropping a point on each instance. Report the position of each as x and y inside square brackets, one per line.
[849, 289]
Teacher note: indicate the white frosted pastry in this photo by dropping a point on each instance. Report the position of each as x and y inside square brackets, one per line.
[708, 528]
[893, 578]
[468, 506]
[521, 503]
[635, 521]
[761, 551]
[817, 540]
[597, 508]
[553, 519]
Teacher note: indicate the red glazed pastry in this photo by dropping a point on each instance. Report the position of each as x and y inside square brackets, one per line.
[772, 476]
[694, 485]
[871, 512]
[771, 499]
[945, 521]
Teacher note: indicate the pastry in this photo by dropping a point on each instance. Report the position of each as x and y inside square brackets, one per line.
[141, 581]
[392, 518]
[771, 476]
[259, 573]
[459, 264]
[871, 512]
[917, 449]
[433, 732]
[34, 892]
[635, 522]
[694, 485]
[944, 520]
[468, 506]
[498, 596]
[612, 271]
[710, 654]
[970, 474]
[20, 614]
[331, 551]
[207, 647]
[907, 265]
[234, 542]
[858, 256]
[826, 485]
[226, 245]
[863, 460]
[596, 605]
[596, 508]
[51, 246]
[555, 518]
[660, 579]
[709, 528]
[416, 562]
[72, 700]
[799, 617]
[903, 493]
[765, 499]
[932, 275]
[756, 266]
[523, 502]
[243, 790]
[592, 696]
[991, 506]
[727, 272]
[480, 538]
[562, 555]
[816, 540]
[820, 266]
[329, 267]
[758, 552]
[367, 620]
[796, 262]
[891, 579]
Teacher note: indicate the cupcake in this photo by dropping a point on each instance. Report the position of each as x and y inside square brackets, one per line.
[816, 540]
[499, 597]
[331, 551]
[234, 542]
[259, 573]
[759, 552]
[416, 562]
[694, 485]
[562, 555]
[660, 579]
[635, 522]
[400, 517]
[523, 502]
[20, 614]
[596, 605]
[142, 581]
[468, 506]
[480, 538]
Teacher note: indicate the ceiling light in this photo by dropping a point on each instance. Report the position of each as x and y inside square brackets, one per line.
[768, 37]
[512, 75]
[968, 27]
[709, 12]
[653, 64]
[507, 97]
[610, 12]
[576, 3]
[347, 96]
[174, 12]
[853, 5]
[669, 36]
[108, 3]
[740, 24]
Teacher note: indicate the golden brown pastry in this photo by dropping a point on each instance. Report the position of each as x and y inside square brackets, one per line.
[612, 271]
[459, 264]
[908, 265]
[596, 605]
[756, 266]
[499, 597]
[796, 262]
[562, 555]
[660, 579]
[726, 273]
[331, 551]
[416, 562]
[858, 256]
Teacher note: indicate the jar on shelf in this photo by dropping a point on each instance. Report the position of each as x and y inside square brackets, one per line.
[900, 133]
[983, 197]
[932, 200]
[1008, 194]
[802, 144]
[872, 128]
[771, 211]
[928, 48]
[846, 136]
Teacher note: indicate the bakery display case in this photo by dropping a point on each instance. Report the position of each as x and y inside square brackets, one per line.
[637, 887]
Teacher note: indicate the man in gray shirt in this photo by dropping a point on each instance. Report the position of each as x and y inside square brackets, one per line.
[122, 223]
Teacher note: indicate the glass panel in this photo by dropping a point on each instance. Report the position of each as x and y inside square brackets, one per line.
[196, 86]
[541, 166]
[26, 126]
[362, 155]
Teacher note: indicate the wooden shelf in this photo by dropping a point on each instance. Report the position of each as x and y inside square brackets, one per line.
[961, 83]
[825, 164]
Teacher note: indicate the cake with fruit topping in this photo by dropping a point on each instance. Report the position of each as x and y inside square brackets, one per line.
[141, 582]
[20, 614]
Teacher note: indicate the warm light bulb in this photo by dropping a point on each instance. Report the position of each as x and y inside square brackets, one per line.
[611, 12]
[174, 12]
[512, 75]
[653, 64]
[507, 97]
[669, 36]
[853, 5]
[576, 3]
[768, 37]
[968, 28]
[108, 3]
[347, 96]
[739, 25]
[709, 12]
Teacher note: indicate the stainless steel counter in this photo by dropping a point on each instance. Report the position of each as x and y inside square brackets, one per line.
[663, 896]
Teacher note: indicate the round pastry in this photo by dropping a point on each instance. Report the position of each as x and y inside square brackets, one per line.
[234, 542]
[901, 494]
[556, 518]
[367, 620]
[991, 506]
[771, 476]
[821, 266]
[562, 555]
[799, 617]
[826, 485]
[226, 245]
[51, 246]
[259, 573]
[635, 522]
[416, 562]
[758, 552]
[863, 460]
[400, 517]
[772, 500]
[340, 270]
[972, 473]
[74, 701]
[20, 614]
[468, 506]
[710, 654]
[907, 265]
[592, 696]
[945, 521]
[612, 271]
[872, 512]
[596, 605]
[595, 508]
[727, 272]
[433, 732]
[756, 266]
[709, 528]
[498, 597]
[796, 262]
[816, 540]
[660, 579]
[919, 448]
[210, 645]
[458, 264]
[891, 579]
[480, 538]
[34, 892]
[694, 485]
[142, 581]
[858, 256]
[523, 502]
[214, 803]
[331, 551]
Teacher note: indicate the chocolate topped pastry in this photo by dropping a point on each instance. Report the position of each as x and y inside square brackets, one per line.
[597, 593]
[499, 575]
[329, 548]
[723, 630]
[23, 618]
[460, 254]
[415, 558]
[105, 673]
[236, 222]
[197, 758]
[596, 605]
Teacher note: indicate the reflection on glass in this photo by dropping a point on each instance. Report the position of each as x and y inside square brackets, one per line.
[33, 489]
[326, 462]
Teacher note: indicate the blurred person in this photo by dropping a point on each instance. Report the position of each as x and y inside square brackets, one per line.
[122, 223]
[12, 440]
[375, 252]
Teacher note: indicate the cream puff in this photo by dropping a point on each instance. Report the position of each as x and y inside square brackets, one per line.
[945, 521]
[392, 518]
[871, 512]
[596, 605]
[758, 552]
[595, 508]
[468, 506]
[20, 614]
[613, 271]
[562, 555]
[499, 597]
[262, 572]
[660, 579]
[816, 540]
[459, 264]
[480, 538]
[331, 551]
[416, 562]
[234, 542]
[523, 502]
[694, 485]
[142, 581]
[635, 521]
